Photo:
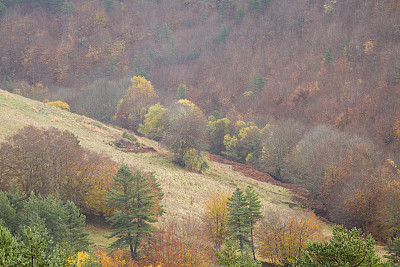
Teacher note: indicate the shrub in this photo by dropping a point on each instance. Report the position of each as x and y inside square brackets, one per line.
[59, 104]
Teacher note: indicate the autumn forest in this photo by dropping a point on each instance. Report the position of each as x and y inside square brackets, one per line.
[304, 92]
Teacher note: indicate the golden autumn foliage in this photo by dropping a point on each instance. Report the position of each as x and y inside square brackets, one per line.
[133, 106]
[215, 217]
[81, 259]
[282, 239]
[117, 258]
[59, 104]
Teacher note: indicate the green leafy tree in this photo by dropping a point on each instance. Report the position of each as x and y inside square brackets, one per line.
[346, 248]
[254, 213]
[154, 125]
[217, 128]
[239, 224]
[136, 199]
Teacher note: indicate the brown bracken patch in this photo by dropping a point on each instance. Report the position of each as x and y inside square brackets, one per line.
[299, 193]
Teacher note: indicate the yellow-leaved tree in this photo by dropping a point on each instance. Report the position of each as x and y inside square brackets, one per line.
[133, 106]
[215, 217]
[282, 239]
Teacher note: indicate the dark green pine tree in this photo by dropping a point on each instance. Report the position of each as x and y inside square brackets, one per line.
[77, 236]
[10, 252]
[254, 212]
[238, 219]
[345, 248]
[135, 198]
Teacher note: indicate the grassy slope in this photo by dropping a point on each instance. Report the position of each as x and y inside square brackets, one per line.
[185, 192]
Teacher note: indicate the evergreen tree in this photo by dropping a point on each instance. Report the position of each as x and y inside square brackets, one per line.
[77, 236]
[229, 257]
[3, 9]
[135, 198]
[328, 57]
[398, 74]
[254, 212]
[239, 225]
[182, 91]
[108, 5]
[10, 252]
[346, 248]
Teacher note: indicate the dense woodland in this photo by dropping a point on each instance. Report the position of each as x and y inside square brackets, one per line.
[306, 91]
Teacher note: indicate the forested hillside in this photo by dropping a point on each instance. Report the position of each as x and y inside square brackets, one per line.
[333, 62]
[302, 91]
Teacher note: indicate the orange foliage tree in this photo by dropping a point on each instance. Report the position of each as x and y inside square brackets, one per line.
[50, 161]
[184, 244]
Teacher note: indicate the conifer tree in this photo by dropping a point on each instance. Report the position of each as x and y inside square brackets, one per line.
[346, 248]
[238, 219]
[75, 221]
[135, 198]
[254, 212]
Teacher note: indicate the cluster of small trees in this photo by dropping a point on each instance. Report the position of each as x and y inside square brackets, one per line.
[43, 172]
[52, 162]
[346, 175]
[38, 231]
[231, 222]
[282, 240]
[181, 127]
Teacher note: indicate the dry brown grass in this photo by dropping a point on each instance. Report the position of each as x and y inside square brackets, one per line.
[185, 192]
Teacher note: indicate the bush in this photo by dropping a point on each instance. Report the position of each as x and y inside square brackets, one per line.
[346, 248]
[59, 104]
[194, 160]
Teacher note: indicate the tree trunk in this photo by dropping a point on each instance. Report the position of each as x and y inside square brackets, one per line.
[130, 246]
